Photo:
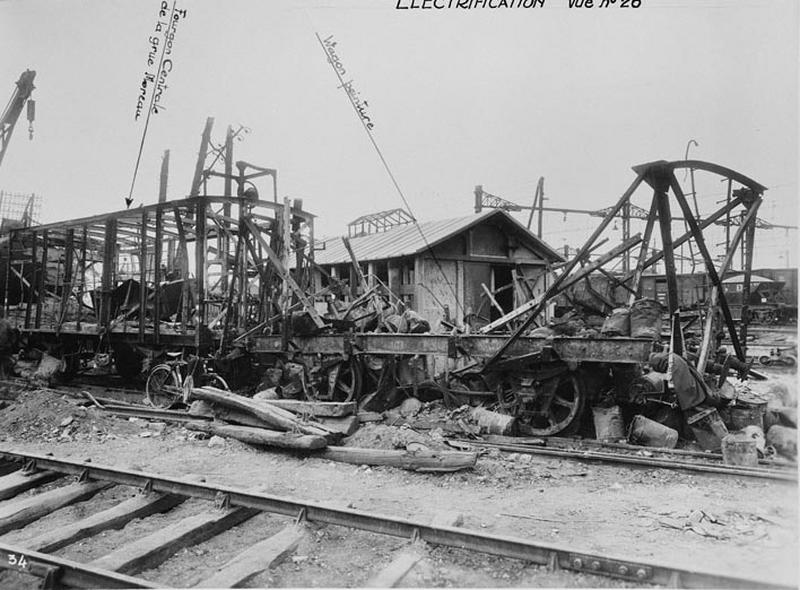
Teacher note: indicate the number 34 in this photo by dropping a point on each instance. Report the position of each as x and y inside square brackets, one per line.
[17, 560]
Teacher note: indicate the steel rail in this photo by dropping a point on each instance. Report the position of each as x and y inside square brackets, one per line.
[65, 573]
[585, 455]
[541, 553]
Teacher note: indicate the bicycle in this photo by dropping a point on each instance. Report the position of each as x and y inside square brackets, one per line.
[167, 382]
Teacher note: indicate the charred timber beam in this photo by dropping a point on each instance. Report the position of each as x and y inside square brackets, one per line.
[66, 290]
[285, 275]
[200, 251]
[705, 166]
[554, 288]
[648, 234]
[157, 275]
[205, 139]
[616, 350]
[143, 277]
[565, 284]
[710, 269]
[107, 279]
[29, 305]
[732, 244]
[133, 214]
[749, 243]
[40, 283]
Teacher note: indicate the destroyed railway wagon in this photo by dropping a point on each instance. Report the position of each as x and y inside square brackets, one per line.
[177, 273]
[547, 381]
[103, 279]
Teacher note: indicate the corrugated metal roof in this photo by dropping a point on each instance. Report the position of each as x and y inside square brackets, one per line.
[407, 240]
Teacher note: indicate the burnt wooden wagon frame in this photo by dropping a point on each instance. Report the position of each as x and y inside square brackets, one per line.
[238, 277]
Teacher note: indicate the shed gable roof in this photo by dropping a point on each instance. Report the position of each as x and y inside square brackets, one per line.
[407, 240]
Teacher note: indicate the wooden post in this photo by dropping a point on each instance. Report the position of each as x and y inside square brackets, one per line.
[82, 286]
[157, 276]
[163, 178]
[226, 208]
[66, 288]
[710, 269]
[184, 267]
[648, 233]
[200, 249]
[241, 261]
[750, 241]
[286, 239]
[29, 306]
[665, 221]
[107, 282]
[11, 237]
[201, 158]
[540, 189]
[711, 312]
[40, 289]
[143, 275]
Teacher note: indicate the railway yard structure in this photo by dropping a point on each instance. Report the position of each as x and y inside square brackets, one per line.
[314, 340]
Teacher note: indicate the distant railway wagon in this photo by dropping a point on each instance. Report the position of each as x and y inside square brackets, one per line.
[772, 299]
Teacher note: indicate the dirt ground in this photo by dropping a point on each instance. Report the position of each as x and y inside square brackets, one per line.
[744, 527]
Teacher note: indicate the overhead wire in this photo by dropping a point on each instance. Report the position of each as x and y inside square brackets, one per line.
[391, 175]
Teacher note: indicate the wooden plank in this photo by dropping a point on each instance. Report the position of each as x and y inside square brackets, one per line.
[278, 418]
[405, 560]
[424, 461]
[17, 514]
[393, 573]
[14, 483]
[261, 436]
[713, 276]
[318, 409]
[154, 549]
[256, 559]
[286, 276]
[345, 425]
[114, 518]
[648, 233]
[665, 221]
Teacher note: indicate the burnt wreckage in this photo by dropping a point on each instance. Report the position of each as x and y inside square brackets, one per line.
[215, 274]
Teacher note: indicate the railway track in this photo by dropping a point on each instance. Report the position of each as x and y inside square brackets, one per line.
[192, 512]
[625, 455]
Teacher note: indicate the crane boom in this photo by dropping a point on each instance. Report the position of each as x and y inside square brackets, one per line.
[9, 118]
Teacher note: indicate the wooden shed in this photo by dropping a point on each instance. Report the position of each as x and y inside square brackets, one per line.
[443, 269]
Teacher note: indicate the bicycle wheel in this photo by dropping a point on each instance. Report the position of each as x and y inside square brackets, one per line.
[217, 381]
[162, 388]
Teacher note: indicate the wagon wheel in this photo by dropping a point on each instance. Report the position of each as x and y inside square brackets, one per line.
[554, 413]
[344, 381]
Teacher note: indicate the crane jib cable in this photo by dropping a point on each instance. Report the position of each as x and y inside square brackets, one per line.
[129, 198]
[389, 172]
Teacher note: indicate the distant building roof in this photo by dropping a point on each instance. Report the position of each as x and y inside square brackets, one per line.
[407, 240]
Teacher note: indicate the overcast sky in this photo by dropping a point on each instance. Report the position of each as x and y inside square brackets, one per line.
[458, 98]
